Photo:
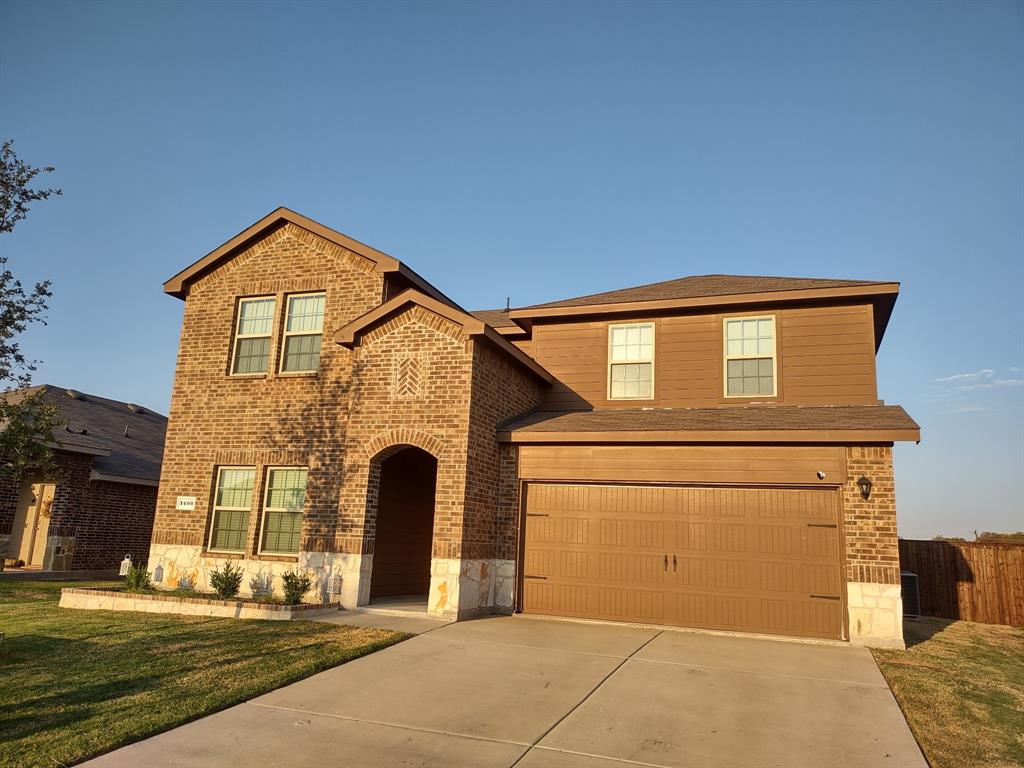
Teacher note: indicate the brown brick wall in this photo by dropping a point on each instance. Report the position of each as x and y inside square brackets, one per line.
[502, 390]
[872, 552]
[10, 490]
[107, 520]
[387, 411]
[264, 420]
[117, 519]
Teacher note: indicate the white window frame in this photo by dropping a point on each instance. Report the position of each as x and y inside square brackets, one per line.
[726, 357]
[237, 336]
[214, 508]
[285, 333]
[265, 508]
[608, 369]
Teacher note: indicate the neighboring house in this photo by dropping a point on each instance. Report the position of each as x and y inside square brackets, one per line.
[98, 504]
[687, 452]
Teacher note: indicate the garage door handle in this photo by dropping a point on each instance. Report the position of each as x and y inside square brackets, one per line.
[673, 563]
[526, 576]
[824, 597]
[666, 562]
[822, 525]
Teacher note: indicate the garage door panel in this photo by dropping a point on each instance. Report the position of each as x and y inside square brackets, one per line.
[820, 542]
[745, 559]
[557, 599]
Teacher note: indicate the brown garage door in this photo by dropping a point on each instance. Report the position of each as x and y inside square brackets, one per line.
[741, 559]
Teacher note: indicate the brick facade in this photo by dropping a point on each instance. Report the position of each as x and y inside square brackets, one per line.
[412, 379]
[96, 522]
[872, 552]
[269, 419]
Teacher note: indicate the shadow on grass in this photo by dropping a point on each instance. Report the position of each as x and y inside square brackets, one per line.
[41, 708]
[922, 629]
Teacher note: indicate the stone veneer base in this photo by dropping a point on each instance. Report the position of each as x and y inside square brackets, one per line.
[84, 598]
[190, 566]
[876, 615]
[465, 588]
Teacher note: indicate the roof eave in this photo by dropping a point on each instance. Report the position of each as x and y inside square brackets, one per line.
[178, 285]
[348, 336]
[835, 436]
[124, 479]
[762, 297]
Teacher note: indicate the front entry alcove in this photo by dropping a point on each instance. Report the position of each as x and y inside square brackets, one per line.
[404, 525]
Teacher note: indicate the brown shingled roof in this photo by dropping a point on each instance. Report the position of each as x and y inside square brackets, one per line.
[97, 425]
[704, 285]
[820, 420]
[496, 318]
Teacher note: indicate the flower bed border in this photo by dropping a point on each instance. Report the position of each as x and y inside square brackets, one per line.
[105, 599]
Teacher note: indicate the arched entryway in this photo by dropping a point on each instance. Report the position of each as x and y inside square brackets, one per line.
[404, 524]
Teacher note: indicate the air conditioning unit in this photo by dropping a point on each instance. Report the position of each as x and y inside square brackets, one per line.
[911, 593]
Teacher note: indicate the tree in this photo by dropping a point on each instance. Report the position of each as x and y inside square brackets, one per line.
[26, 421]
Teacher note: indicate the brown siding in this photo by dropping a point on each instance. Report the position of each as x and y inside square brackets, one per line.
[826, 356]
[743, 464]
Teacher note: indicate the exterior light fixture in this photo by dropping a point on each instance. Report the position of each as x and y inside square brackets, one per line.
[865, 487]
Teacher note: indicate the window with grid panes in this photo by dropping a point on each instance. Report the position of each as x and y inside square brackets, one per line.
[750, 357]
[282, 509]
[631, 361]
[252, 335]
[303, 331]
[232, 500]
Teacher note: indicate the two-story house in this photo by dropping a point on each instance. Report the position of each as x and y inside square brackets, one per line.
[708, 452]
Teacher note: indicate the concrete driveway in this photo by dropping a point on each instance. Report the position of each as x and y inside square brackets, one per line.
[513, 691]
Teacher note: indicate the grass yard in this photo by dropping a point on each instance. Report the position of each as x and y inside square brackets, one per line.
[961, 686]
[75, 684]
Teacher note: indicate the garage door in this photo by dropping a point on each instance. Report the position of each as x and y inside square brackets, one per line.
[740, 559]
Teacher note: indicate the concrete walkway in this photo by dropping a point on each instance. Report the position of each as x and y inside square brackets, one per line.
[531, 693]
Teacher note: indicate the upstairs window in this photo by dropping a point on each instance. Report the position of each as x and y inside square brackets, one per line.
[232, 501]
[282, 509]
[750, 357]
[252, 335]
[631, 361]
[302, 333]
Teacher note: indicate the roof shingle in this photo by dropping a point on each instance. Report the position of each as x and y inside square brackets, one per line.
[727, 419]
[701, 286]
[137, 454]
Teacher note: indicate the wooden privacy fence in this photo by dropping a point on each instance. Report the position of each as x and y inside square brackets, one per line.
[966, 580]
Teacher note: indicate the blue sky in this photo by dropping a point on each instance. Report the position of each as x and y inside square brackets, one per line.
[547, 150]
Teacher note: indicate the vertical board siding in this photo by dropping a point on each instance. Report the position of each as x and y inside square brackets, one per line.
[746, 464]
[968, 581]
[826, 356]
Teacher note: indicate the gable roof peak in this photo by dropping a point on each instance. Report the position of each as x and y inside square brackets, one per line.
[179, 284]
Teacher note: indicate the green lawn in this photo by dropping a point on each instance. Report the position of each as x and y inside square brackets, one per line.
[75, 684]
[961, 686]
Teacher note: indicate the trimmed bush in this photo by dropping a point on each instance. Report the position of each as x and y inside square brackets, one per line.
[296, 585]
[227, 581]
[137, 579]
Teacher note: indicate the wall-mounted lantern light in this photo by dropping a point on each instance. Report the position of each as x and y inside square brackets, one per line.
[865, 487]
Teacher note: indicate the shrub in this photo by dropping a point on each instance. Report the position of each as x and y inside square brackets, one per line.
[296, 584]
[137, 579]
[226, 582]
